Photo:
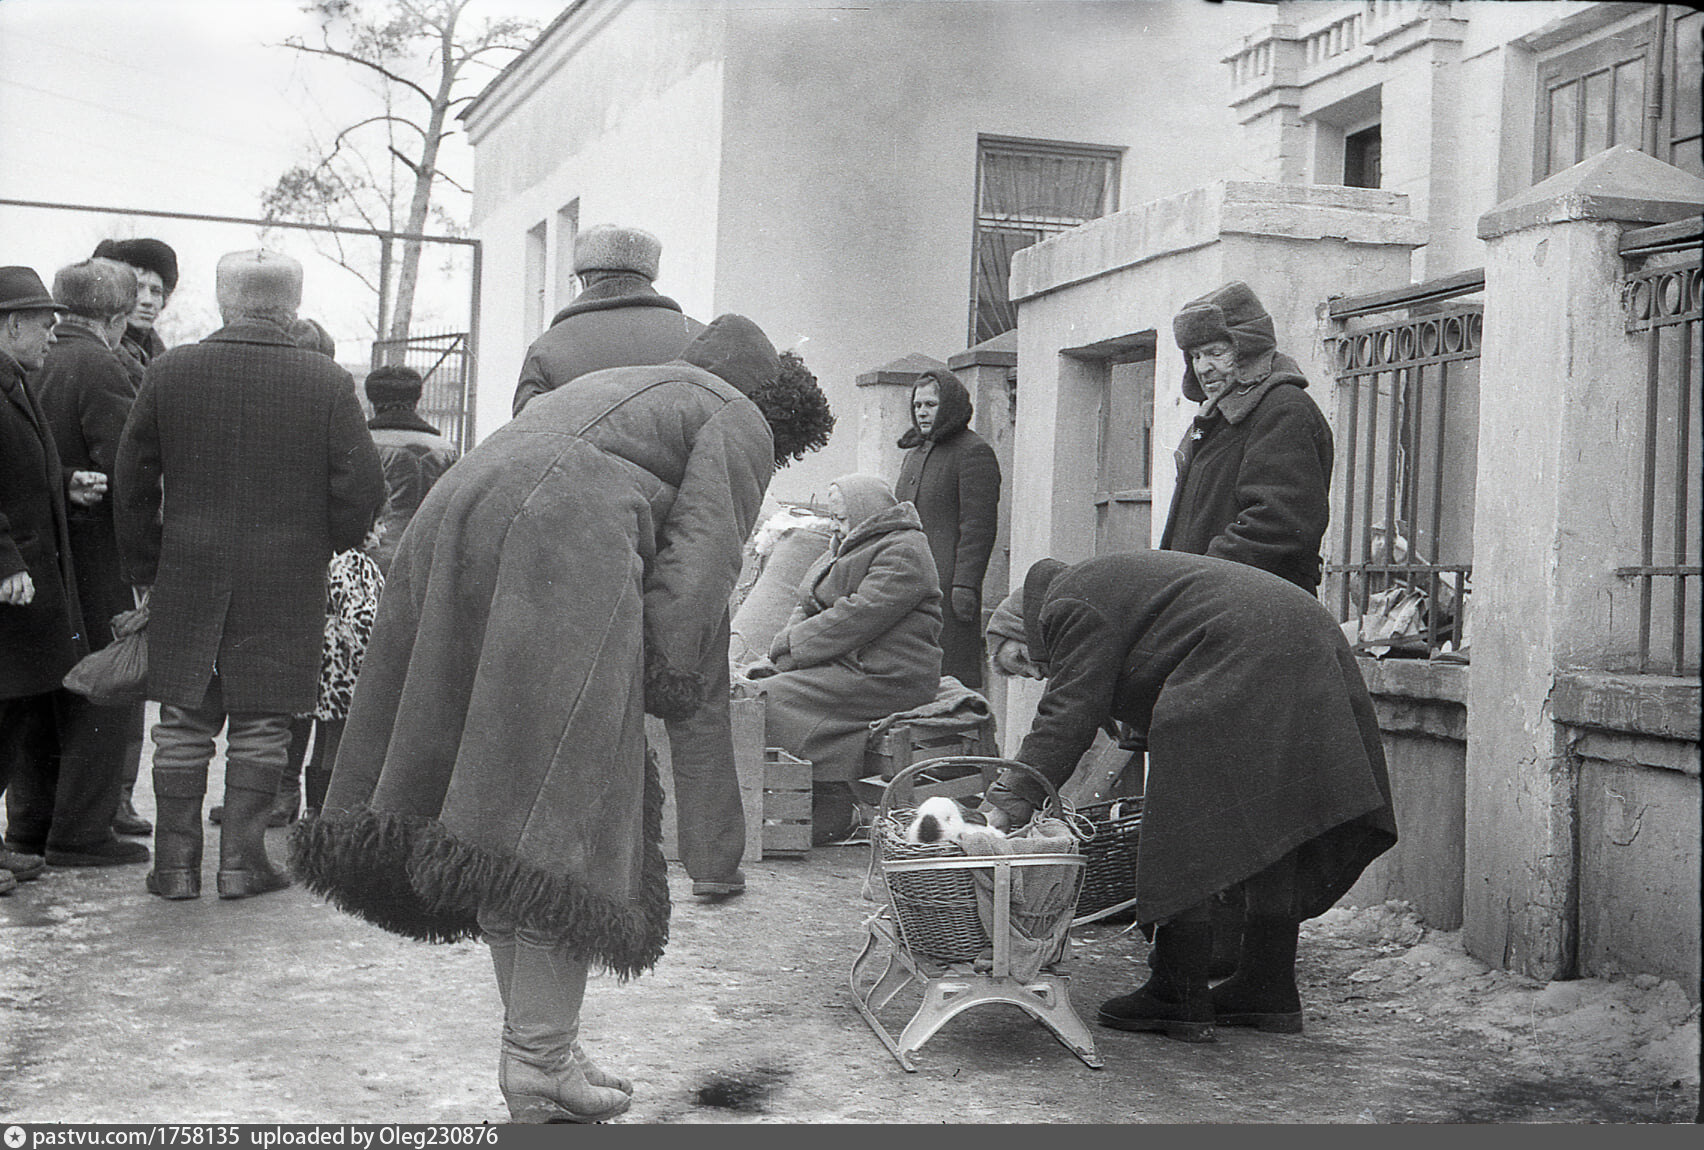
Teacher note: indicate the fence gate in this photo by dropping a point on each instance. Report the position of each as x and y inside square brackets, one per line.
[441, 360]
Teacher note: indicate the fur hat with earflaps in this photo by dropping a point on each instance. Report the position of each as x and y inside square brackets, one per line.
[259, 282]
[149, 255]
[1233, 313]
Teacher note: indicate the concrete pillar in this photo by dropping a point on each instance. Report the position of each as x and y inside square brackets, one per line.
[884, 412]
[1266, 97]
[1558, 452]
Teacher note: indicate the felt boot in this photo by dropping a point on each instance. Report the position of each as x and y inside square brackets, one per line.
[1176, 999]
[1227, 933]
[244, 869]
[178, 793]
[541, 1078]
[1262, 993]
[502, 946]
[288, 802]
[126, 821]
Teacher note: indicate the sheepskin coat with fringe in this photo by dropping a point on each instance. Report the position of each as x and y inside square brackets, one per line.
[495, 752]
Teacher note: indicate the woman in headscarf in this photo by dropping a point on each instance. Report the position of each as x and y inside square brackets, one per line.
[562, 580]
[863, 642]
[1264, 761]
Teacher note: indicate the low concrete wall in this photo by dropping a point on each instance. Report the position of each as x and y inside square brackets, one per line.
[1423, 715]
[1635, 740]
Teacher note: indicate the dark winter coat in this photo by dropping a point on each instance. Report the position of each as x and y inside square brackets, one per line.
[1261, 735]
[414, 456]
[265, 451]
[41, 640]
[1254, 470]
[86, 391]
[616, 322]
[865, 642]
[142, 344]
[953, 479]
[548, 592]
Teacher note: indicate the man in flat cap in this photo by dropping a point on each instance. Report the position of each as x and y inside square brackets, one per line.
[617, 320]
[41, 623]
[86, 393]
[266, 453]
[414, 453]
[156, 268]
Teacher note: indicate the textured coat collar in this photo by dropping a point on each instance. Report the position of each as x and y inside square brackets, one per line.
[251, 331]
[621, 291]
[1236, 405]
[899, 517]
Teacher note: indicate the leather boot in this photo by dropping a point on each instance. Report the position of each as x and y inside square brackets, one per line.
[1262, 993]
[125, 820]
[1176, 1000]
[178, 794]
[502, 945]
[538, 1072]
[244, 869]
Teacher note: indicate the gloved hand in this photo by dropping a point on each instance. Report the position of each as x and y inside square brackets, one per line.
[1005, 809]
[966, 604]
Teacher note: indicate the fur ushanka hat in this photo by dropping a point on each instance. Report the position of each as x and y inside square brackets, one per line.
[259, 281]
[1233, 313]
[149, 255]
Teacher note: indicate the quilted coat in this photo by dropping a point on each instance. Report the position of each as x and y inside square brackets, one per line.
[616, 322]
[549, 591]
[953, 479]
[863, 643]
[40, 641]
[265, 451]
[1261, 735]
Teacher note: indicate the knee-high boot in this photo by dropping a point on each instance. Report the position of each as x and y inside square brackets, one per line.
[1176, 1000]
[244, 869]
[178, 794]
[289, 800]
[502, 945]
[540, 1071]
[1263, 992]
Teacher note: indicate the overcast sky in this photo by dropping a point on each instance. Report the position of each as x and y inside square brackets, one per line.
[178, 105]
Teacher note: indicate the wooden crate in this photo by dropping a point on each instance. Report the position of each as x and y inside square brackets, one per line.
[903, 744]
[786, 804]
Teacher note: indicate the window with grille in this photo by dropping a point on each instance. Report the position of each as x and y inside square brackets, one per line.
[1026, 191]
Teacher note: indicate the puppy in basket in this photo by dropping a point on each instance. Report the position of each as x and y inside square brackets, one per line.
[940, 819]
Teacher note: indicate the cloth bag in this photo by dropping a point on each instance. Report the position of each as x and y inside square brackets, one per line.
[117, 674]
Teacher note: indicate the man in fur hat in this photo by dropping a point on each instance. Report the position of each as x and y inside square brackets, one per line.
[156, 268]
[86, 393]
[617, 320]
[265, 450]
[1254, 472]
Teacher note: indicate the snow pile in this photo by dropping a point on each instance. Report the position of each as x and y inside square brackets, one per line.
[1643, 1022]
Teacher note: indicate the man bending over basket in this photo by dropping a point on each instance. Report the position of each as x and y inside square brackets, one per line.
[1265, 766]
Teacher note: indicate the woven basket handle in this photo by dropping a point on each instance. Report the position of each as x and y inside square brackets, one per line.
[1051, 806]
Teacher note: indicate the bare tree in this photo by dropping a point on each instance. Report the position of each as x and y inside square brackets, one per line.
[382, 171]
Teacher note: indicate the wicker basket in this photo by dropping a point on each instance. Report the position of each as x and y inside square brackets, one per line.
[936, 910]
[1109, 832]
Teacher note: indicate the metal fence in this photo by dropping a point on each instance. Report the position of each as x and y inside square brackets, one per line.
[1661, 299]
[1407, 446]
[442, 360]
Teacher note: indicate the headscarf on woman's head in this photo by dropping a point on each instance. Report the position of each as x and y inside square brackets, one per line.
[955, 411]
[865, 495]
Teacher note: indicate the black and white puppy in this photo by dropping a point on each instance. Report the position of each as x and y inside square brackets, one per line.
[940, 819]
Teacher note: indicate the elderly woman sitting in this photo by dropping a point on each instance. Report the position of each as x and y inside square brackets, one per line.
[862, 643]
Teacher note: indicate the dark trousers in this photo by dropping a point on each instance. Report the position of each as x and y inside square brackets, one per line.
[64, 788]
[29, 738]
[709, 818]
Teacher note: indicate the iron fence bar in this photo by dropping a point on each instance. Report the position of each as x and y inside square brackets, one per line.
[1432, 291]
[1682, 457]
[1648, 517]
[1367, 486]
[1438, 466]
[377, 233]
[1349, 491]
[1393, 440]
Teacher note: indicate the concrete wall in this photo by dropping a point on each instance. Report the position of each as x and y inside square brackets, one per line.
[819, 163]
[1422, 709]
